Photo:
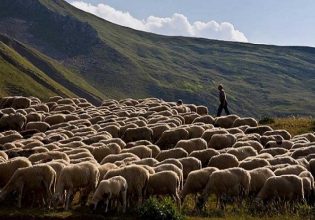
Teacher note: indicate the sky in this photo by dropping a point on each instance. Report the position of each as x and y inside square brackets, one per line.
[277, 22]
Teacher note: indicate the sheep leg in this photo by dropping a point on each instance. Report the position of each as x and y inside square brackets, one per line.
[20, 196]
[48, 194]
[177, 199]
[69, 194]
[106, 204]
[124, 200]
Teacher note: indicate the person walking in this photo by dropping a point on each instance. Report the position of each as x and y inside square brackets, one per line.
[223, 101]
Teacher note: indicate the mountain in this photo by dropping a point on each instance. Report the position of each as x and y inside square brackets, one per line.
[86, 56]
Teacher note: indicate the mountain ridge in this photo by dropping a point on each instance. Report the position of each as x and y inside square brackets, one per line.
[121, 62]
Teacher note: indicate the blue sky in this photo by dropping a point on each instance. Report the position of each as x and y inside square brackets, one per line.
[280, 22]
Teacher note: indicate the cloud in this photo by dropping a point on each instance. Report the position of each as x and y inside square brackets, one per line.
[176, 25]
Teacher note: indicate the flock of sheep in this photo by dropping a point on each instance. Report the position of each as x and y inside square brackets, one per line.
[123, 152]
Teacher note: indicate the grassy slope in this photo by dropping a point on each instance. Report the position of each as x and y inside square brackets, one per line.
[260, 80]
[294, 125]
[15, 81]
[30, 59]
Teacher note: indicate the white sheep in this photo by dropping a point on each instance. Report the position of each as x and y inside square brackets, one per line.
[287, 187]
[164, 183]
[35, 178]
[196, 181]
[233, 182]
[137, 178]
[84, 176]
[112, 189]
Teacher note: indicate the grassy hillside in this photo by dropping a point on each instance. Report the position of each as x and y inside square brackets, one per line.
[27, 72]
[119, 62]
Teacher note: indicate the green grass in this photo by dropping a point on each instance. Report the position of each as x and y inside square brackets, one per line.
[117, 62]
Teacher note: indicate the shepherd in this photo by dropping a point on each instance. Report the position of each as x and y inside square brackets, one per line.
[223, 101]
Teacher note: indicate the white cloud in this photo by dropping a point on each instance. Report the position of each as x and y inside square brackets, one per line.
[176, 25]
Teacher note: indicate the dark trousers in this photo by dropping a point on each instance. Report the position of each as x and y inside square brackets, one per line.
[221, 107]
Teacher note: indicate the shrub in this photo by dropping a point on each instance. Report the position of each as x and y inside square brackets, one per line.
[165, 209]
[266, 120]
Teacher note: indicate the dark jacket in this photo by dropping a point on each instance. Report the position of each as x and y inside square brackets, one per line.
[222, 97]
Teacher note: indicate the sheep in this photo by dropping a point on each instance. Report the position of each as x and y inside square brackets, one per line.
[155, 150]
[41, 107]
[38, 125]
[21, 102]
[147, 161]
[113, 188]
[258, 130]
[171, 161]
[274, 151]
[204, 155]
[169, 138]
[286, 187]
[57, 165]
[308, 136]
[192, 107]
[233, 182]
[223, 161]
[175, 153]
[195, 131]
[4, 155]
[196, 181]
[302, 152]
[10, 138]
[221, 141]
[207, 134]
[189, 117]
[84, 176]
[164, 183]
[282, 160]
[254, 163]
[158, 130]
[207, 119]
[190, 164]
[308, 184]
[34, 117]
[55, 119]
[255, 144]
[32, 178]
[118, 141]
[52, 155]
[99, 153]
[8, 168]
[141, 151]
[138, 143]
[225, 121]
[202, 110]
[265, 139]
[285, 134]
[112, 129]
[135, 134]
[192, 144]
[97, 138]
[292, 169]
[242, 153]
[258, 178]
[71, 117]
[245, 121]
[136, 186]
[280, 143]
[80, 155]
[112, 158]
[171, 167]
[236, 131]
